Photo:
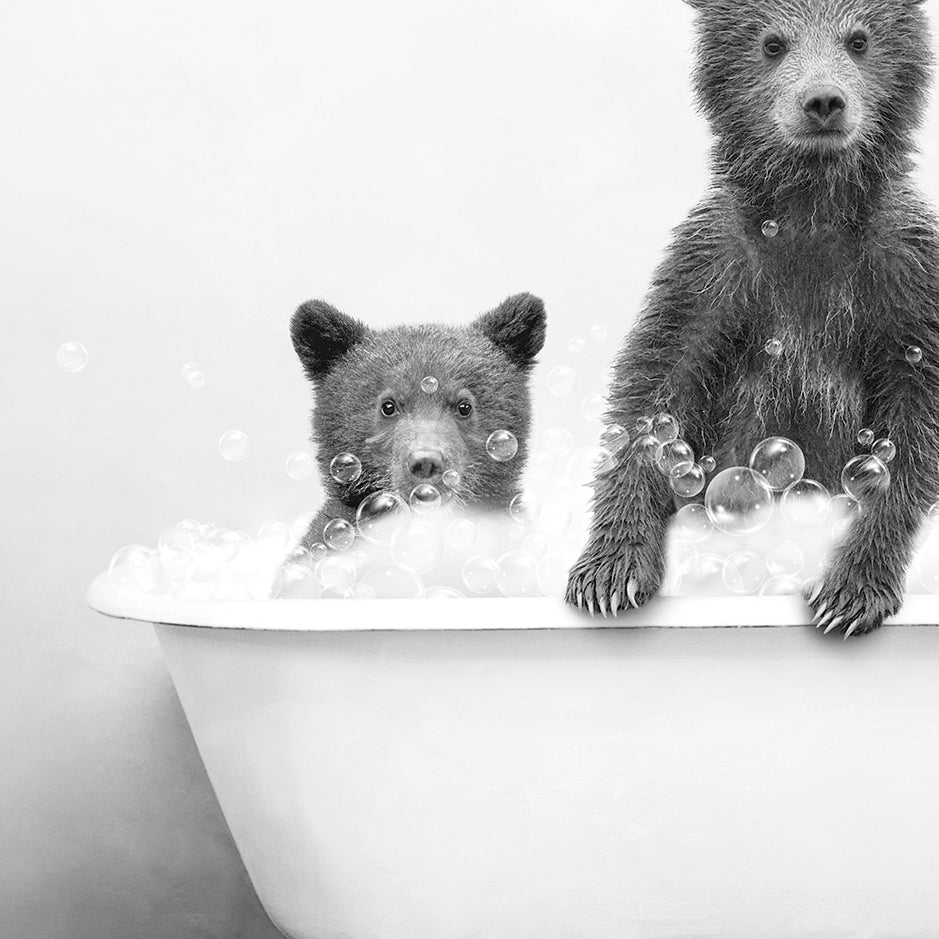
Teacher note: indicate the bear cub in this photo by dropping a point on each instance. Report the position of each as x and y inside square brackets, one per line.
[416, 404]
[800, 298]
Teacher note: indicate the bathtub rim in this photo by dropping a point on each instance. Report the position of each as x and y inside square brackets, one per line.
[478, 614]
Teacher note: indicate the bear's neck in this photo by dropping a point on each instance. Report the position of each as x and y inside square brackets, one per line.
[808, 193]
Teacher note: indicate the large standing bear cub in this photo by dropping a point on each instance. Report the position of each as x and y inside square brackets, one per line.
[812, 104]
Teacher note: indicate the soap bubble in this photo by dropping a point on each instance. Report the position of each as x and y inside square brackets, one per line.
[417, 546]
[598, 332]
[805, 503]
[690, 484]
[781, 586]
[518, 574]
[338, 534]
[865, 437]
[451, 478]
[615, 438]
[844, 509]
[884, 449]
[552, 574]
[228, 543]
[337, 571]
[480, 574]
[179, 536]
[864, 477]
[380, 515]
[693, 523]
[646, 449]
[708, 464]
[273, 537]
[914, 355]
[536, 544]
[705, 576]
[189, 368]
[644, 426]
[665, 428]
[743, 572]
[461, 534]
[345, 468]
[501, 445]
[773, 347]
[779, 461]
[524, 507]
[424, 498]
[336, 593]
[562, 380]
[557, 441]
[72, 357]
[318, 551]
[577, 344]
[300, 581]
[300, 465]
[392, 582]
[429, 385]
[135, 570]
[785, 558]
[674, 458]
[770, 228]
[233, 445]
[592, 407]
[517, 531]
[195, 379]
[443, 593]
[739, 501]
[589, 462]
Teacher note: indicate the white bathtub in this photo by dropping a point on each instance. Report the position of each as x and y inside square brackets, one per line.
[501, 769]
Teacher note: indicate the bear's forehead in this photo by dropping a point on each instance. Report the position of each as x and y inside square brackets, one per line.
[793, 14]
[408, 354]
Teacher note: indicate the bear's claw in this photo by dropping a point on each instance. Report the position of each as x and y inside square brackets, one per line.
[609, 578]
[852, 598]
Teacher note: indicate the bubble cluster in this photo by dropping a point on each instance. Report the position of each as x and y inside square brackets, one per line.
[502, 445]
[233, 445]
[71, 357]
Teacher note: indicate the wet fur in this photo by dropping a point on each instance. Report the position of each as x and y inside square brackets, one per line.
[850, 281]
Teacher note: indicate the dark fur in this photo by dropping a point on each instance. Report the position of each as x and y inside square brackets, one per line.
[353, 368]
[849, 283]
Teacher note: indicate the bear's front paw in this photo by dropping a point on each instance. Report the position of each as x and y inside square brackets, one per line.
[853, 597]
[609, 577]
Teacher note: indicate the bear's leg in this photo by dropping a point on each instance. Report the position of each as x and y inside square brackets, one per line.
[864, 580]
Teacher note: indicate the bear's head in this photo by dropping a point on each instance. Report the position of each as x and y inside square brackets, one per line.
[795, 82]
[414, 402]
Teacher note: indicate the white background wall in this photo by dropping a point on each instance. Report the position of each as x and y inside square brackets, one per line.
[175, 179]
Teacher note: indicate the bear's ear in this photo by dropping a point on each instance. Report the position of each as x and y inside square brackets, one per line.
[321, 335]
[516, 327]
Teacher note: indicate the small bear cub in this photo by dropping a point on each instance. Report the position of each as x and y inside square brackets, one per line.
[416, 404]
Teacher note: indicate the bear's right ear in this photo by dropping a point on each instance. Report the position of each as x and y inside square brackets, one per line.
[322, 335]
[517, 327]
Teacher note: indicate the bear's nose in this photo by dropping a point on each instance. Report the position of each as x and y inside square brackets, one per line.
[823, 103]
[425, 464]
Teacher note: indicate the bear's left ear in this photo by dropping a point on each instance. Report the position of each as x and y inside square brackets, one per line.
[516, 327]
[322, 335]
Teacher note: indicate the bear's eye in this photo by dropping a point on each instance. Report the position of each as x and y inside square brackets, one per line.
[464, 408]
[773, 46]
[857, 42]
[388, 407]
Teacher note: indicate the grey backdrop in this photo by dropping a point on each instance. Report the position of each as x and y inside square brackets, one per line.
[176, 178]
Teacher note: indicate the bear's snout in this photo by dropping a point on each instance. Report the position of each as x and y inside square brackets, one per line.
[824, 104]
[425, 464]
